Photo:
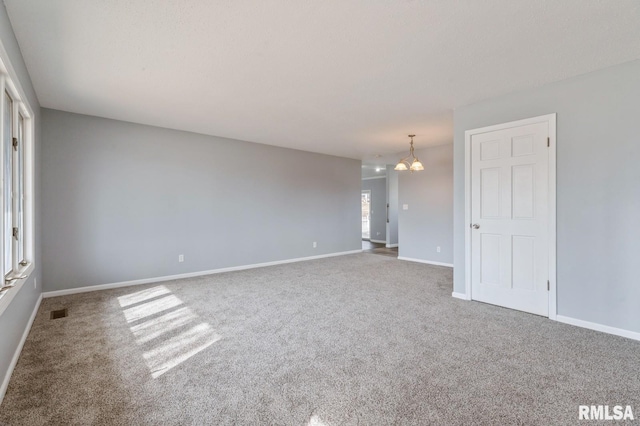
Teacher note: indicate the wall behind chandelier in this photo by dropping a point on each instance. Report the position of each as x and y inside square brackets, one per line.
[427, 223]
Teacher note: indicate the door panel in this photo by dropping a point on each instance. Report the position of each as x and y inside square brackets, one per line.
[490, 258]
[522, 196]
[523, 262]
[509, 204]
[490, 193]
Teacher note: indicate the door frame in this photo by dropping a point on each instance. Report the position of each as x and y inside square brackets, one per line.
[550, 119]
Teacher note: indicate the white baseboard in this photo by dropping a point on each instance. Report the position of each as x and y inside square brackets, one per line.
[66, 292]
[428, 262]
[16, 354]
[599, 327]
[460, 296]
[392, 245]
[580, 323]
[378, 241]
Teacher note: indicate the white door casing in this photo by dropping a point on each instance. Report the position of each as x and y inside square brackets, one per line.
[510, 212]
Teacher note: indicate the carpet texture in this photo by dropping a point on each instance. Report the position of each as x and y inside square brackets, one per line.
[351, 340]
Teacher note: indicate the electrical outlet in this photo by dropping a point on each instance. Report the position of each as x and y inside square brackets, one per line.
[181, 258]
[377, 234]
[315, 244]
[405, 207]
[438, 249]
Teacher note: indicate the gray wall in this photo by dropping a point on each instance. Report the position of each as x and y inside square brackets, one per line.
[378, 188]
[369, 170]
[14, 319]
[429, 221]
[392, 199]
[598, 188]
[121, 202]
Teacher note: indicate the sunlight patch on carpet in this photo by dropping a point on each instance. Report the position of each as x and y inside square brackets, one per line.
[316, 421]
[141, 296]
[153, 307]
[180, 348]
[166, 323]
[155, 329]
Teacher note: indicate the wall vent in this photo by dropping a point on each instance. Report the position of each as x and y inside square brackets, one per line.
[60, 313]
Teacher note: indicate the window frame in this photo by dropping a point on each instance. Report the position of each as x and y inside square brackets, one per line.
[7, 220]
[23, 128]
[20, 257]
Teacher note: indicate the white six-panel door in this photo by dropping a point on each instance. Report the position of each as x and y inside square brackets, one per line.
[510, 218]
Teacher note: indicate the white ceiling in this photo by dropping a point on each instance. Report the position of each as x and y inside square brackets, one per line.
[343, 77]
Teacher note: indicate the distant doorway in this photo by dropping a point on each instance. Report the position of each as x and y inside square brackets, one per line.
[366, 215]
[379, 248]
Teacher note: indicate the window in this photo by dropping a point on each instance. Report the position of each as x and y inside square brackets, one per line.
[19, 154]
[16, 177]
[7, 181]
[13, 187]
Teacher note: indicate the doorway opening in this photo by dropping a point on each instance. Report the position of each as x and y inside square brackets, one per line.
[379, 248]
[366, 215]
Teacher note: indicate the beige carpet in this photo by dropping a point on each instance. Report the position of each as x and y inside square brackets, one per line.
[359, 339]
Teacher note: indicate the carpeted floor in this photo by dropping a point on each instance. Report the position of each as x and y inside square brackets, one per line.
[360, 339]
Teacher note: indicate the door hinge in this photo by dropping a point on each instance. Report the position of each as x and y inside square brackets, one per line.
[15, 143]
[15, 233]
[548, 142]
[548, 286]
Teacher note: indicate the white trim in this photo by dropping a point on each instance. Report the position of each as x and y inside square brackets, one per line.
[14, 82]
[551, 120]
[459, 296]
[553, 305]
[66, 292]
[8, 295]
[428, 262]
[374, 177]
[392, 245]
[467, 214]
[16, 354]
[386, 225]
[599, 327]
[378, 241]
[9, 81]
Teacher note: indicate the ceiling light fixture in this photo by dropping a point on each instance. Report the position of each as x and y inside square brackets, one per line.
[405, 163]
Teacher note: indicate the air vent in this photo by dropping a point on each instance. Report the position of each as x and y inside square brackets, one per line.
[60, 313]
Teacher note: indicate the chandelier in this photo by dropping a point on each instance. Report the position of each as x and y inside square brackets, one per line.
[410, 162]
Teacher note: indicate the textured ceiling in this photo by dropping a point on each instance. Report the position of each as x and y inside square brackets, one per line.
[342, 77]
